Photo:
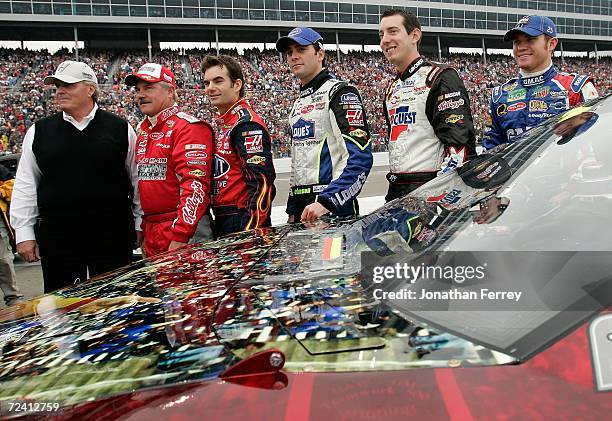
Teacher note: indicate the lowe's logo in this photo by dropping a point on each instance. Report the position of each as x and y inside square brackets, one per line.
[303, 129]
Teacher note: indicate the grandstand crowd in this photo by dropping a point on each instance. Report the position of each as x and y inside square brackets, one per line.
[271, 88]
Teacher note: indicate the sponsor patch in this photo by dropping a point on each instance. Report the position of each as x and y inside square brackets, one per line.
[510, 87]
[532, 81]
[354, 117]
[222, 167]
[349, 98]
[192, 146]
[193, 202]
[197, 173]
[449, 96]
[538, 105]
[307, 109]
[454, 119]
[196, 163]
[401, 118]
[156, 135]
[359, 133]
[502, 109]
[196, 154]
[558, 94]
[540, 92]
[254, 144]
[152, 171]
[303, 130]
[451, 104]
[256, 160]
[517, 95]
[162, 145]
[517, 106]
[320, 105]
[170, 123]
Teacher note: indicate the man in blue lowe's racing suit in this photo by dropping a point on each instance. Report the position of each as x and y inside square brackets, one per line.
[331, 155]
[540, 91]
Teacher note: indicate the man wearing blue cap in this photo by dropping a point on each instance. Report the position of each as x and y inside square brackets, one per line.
[331, 154]
[540, 91]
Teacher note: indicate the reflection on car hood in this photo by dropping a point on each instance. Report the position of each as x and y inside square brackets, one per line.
[188, 315]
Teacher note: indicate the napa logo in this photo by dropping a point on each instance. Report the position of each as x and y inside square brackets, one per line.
[303, 129]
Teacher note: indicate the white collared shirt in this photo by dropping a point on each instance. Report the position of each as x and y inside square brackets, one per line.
[24, 202]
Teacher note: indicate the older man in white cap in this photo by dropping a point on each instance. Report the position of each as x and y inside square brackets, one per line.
[75, 201]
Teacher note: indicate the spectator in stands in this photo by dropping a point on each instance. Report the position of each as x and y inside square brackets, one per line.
[427, 109]
[330, 157]
[244, 172]
[540, 91]
[174, 158]
[75, 193]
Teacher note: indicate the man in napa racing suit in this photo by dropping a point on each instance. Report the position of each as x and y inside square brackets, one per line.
[331, 155]
[174, 157]
[427, 109]
[244, 172]
[540, 91]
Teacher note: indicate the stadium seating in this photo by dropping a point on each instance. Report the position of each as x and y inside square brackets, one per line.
[270, 86]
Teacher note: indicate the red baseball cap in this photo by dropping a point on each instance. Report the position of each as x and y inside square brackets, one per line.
[152, 73]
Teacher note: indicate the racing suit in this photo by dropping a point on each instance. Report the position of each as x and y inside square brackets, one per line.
[522, 103]
[174, 157]
[428, 115]
[331, 154]
[244, 173]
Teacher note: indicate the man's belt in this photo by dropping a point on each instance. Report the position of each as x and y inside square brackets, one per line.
[310, 189]
[410, 177]
[159, 217]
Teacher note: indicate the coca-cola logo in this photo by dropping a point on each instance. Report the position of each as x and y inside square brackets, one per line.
[193, 202]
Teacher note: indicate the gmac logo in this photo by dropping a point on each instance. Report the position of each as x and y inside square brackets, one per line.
[303, 129]
[400, 118]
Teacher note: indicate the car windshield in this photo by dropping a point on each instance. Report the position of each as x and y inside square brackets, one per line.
[191, 314]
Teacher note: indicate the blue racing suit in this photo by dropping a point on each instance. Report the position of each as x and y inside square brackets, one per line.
[331, 155]
[524, 102]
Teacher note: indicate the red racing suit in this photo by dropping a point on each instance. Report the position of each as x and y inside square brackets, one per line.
[174, 158]
[244, 173]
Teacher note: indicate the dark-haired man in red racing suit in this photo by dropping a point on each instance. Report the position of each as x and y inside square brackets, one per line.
[174, 157]
[244, 173]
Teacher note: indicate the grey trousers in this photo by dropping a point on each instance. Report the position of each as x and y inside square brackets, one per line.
[8, 278]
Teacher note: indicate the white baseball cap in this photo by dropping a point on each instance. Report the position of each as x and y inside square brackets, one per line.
[72, 72]
[152, 73]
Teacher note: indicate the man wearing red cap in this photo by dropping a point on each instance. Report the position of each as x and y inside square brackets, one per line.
[174, 157]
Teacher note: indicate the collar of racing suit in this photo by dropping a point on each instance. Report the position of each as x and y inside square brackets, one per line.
[412, 68]
[225, 117]
[541, 72]
[163, 115]
[528, 80]
[315, 83]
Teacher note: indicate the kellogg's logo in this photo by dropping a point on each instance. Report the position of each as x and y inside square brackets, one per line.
[193, 202]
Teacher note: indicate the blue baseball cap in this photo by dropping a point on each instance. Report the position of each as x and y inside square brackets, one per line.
[533, 26]
[301, 35]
